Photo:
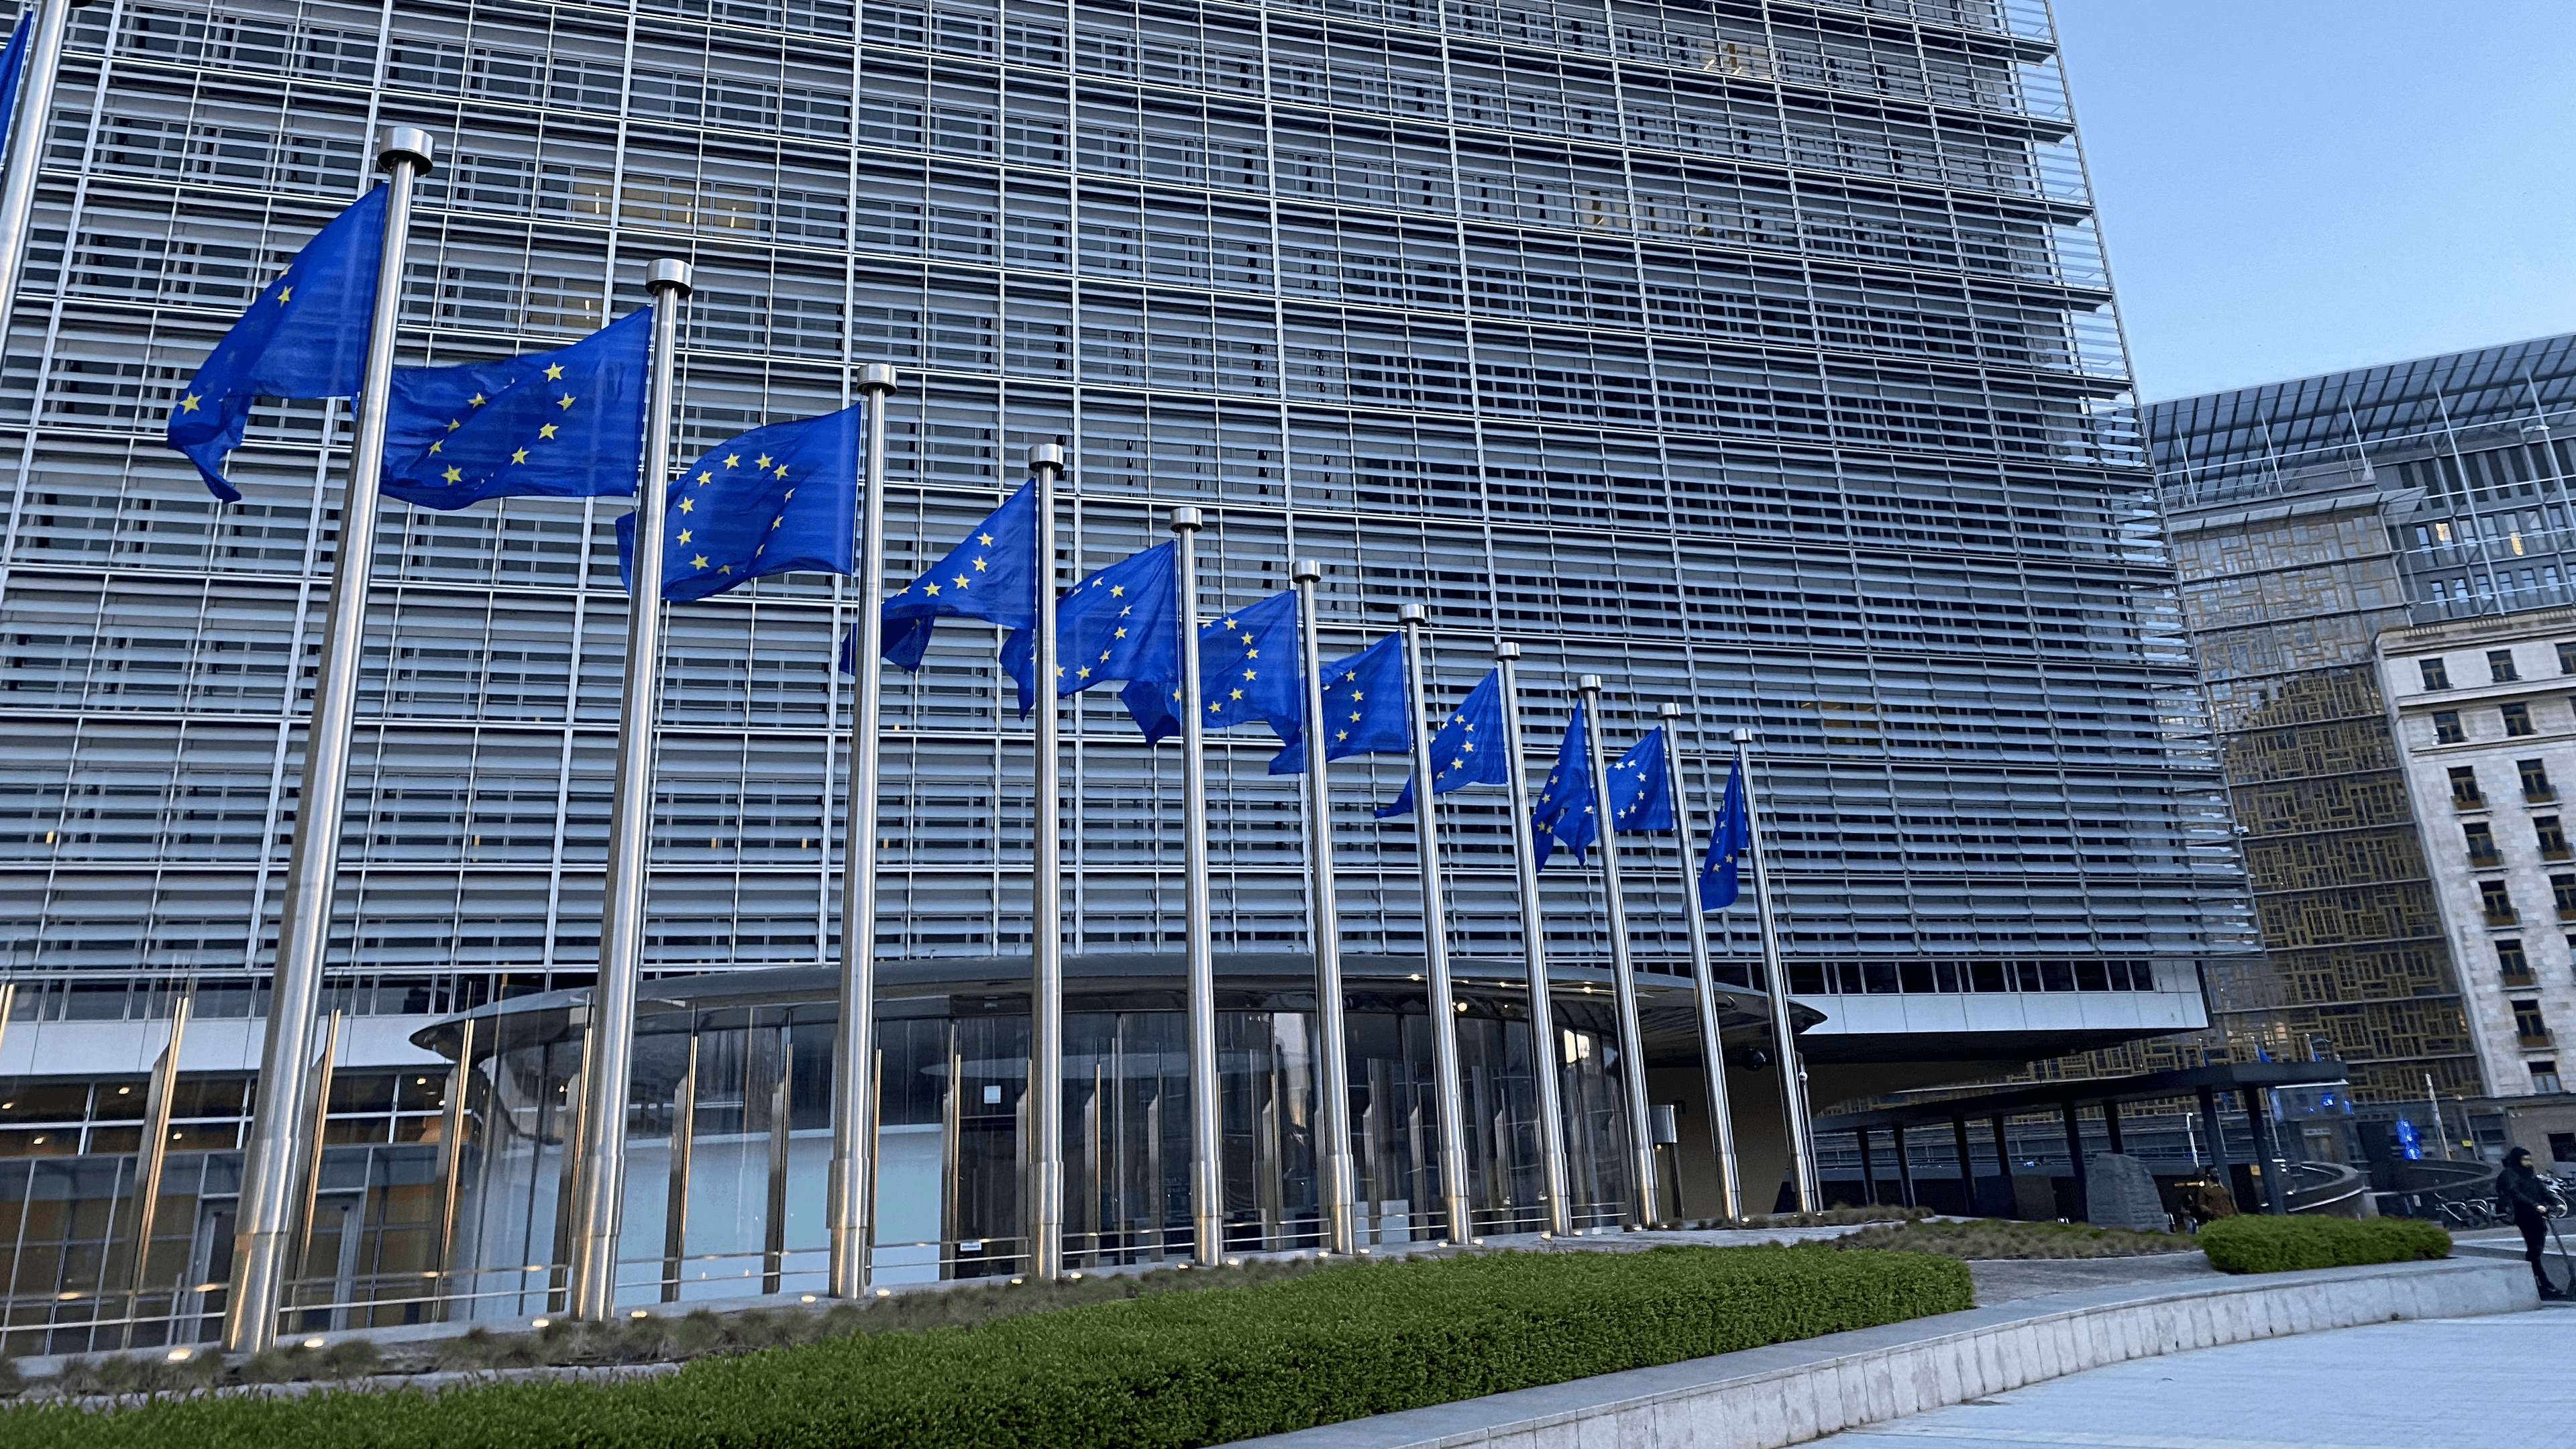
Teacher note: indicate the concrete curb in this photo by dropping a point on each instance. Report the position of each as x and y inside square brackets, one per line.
[1789, 1393]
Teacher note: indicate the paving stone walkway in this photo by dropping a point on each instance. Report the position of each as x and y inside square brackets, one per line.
[2499, 1382]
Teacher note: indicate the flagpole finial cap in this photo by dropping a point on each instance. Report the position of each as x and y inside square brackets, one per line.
[1185, 520]
[1668, 710]
[877, 379]
[1412, 614]
[1740, 736]
[1307, 571]
[667, 274]
[1046, 455]
[1588, 683]
[1507, 650]
[408, 143]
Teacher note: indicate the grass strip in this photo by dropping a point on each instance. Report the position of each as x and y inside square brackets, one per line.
[1164, 1372]
[2250, 1244]
[1991, 1238]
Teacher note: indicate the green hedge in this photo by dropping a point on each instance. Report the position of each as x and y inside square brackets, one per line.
[2247, 1244]
[1179, 1369]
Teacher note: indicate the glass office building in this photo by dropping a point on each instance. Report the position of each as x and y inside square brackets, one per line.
[1757, 356]
[2309, 517]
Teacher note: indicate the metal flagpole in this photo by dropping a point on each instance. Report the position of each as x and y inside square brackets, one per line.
[27, 147]
[850, 1192]
[275, 1153]
[599, 1203]
[1452, 1125]
[1623, 975]
[1332, 1030]
[1721, 1119]
[1207, 1093]
[1045, 1149]
[1775, 983]
[1546, 1055]
[156, 1139]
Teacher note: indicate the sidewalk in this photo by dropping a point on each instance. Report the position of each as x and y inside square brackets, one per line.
[2496, 1382]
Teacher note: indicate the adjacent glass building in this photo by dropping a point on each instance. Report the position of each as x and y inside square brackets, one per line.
[1758, 356]
[2309, 518]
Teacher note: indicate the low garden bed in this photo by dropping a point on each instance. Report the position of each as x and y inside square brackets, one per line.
[1990, 1238]
[1171, 1369]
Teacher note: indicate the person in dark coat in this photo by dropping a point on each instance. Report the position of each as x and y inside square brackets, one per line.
[2528, 1199]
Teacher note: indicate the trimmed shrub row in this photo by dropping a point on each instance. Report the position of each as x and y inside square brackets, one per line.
[2252, 1244]
[1173, 1370]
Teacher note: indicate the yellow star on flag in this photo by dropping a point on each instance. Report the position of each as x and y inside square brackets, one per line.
[518, 455]
[684, 535]
[564, 401]
[700, 560]
[285, 295]
[453, 476]
[189, 403]
[688, 505]
[546, 432]
[554, 372]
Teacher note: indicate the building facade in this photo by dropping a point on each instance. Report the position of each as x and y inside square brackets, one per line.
[2334, 534]
[1759, 356]
[2485, 713]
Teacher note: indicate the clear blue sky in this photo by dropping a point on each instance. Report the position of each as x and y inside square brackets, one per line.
[2291, 187]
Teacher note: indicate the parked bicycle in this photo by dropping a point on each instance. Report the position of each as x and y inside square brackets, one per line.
[2467, 1213]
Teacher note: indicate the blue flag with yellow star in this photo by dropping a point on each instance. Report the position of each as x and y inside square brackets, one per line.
[1365, 711]
[1641, 797]
[991, 574]
[562, 424]
[1729, 836]
[778, 499]
[1468, 749]
[1247, 675]
[13, 73]
[306, 336]
[1121, 623]
[1564, 815]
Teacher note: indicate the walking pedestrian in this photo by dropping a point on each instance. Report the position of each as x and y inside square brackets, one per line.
[2528, 1199]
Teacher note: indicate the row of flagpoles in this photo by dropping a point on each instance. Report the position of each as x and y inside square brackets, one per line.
[591, 419]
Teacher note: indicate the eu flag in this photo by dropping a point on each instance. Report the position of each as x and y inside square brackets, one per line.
[1247, 675]
[1121, 623]
[1564, 814]
[991, 574]
[1729, 836]
[562, 424]
[1641, 796]
[306, 336]
[13, 74]
[770, 501]
[1468, 748]
[1365, 709]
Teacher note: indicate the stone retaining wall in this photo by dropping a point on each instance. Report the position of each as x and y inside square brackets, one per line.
[1792, 1392]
